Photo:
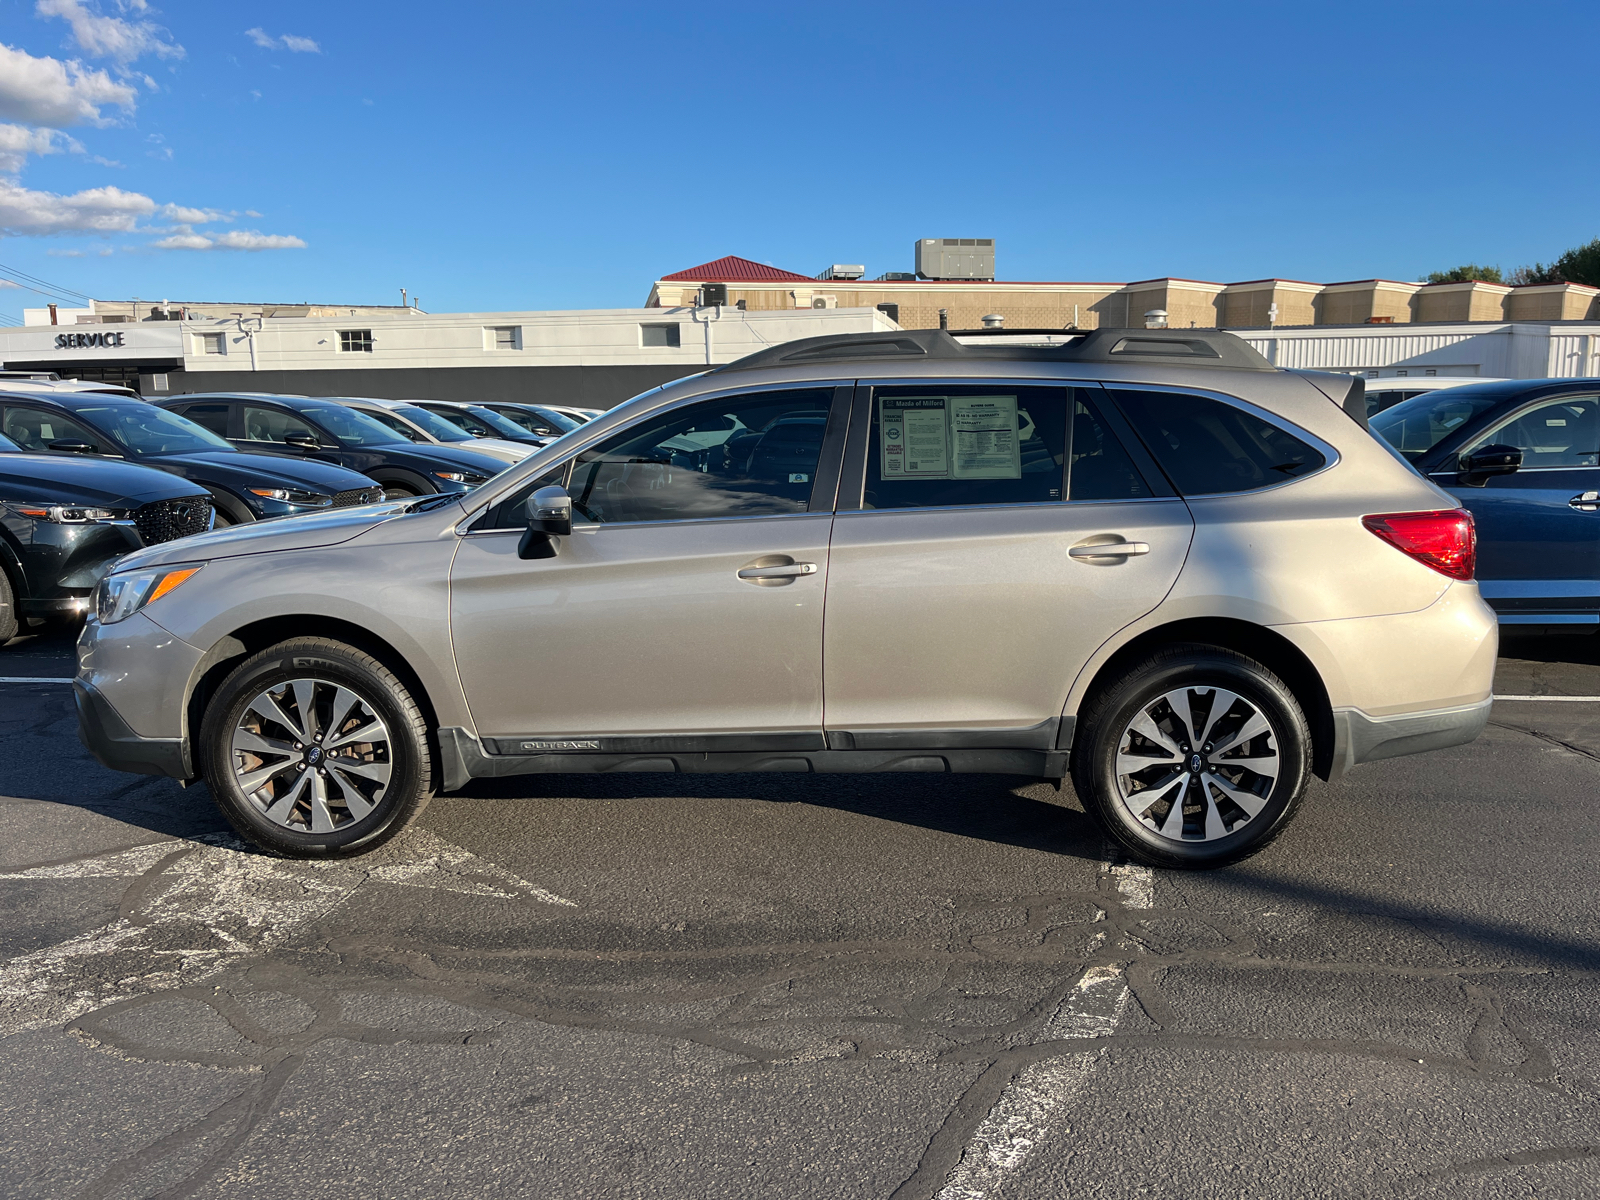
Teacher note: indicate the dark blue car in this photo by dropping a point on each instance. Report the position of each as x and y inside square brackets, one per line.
[307, 427]
[1523, 456]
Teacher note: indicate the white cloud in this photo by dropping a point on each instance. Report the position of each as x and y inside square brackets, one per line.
[190, 216]
[112, 37]
[17, 142]
[289, 41]
[6, 283]
[25, 212]
[47, 91]
[233, 239]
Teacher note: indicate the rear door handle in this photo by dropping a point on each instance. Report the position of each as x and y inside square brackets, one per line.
[787, 571]
[1110, 550]
[1588, 502]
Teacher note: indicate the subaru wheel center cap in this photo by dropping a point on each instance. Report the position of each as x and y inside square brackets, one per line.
[1196, 763]
[314, 755]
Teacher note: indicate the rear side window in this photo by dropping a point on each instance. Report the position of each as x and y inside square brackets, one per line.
[211, 416]
[1206, 446]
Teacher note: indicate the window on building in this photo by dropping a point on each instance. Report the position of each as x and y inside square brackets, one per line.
[355, 341]
[213, 343]
[505, 337]
[1206, 447]
[659, 335]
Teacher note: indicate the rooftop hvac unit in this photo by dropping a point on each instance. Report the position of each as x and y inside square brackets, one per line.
[898, 276]
[842, 271]
[824, 302]
[955, 258]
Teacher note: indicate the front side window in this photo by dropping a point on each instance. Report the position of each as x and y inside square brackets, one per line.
[393, 422]
[355, 341]
[436, 426]
[1207, 447]
[354, 428]
[140, 429]
[273, 425]
[1561, 433]
[37, 428]
[741, 456]
[464, 421]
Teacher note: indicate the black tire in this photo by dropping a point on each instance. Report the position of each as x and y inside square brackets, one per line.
[1107, 718]
[327, 665]
[8, 609]
[220, 519]
[399, 491]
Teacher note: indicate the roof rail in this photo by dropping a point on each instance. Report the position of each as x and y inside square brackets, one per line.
[1183, 347]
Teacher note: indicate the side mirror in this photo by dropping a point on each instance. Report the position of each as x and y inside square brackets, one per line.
[550, 511]
[302, 441]
[1495, 459]
[72, 447]
[549, 517]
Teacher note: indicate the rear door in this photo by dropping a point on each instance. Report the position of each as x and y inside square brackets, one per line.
[1539, 527]
[995, 535]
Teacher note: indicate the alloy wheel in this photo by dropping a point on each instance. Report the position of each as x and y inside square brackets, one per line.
[1197, 764]
[311, 755]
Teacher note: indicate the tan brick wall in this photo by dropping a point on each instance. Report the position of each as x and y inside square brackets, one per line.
[1443, 304]
[1241, 310]
[1295, 307]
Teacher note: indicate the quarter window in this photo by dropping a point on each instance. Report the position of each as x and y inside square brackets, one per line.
[1562, 433]
[1206, 446]
[742, 456]
[355, 341]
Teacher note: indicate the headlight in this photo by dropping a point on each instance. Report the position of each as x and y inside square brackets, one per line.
[68, 514]
[293, 496]
[121, 595]
[461, 477]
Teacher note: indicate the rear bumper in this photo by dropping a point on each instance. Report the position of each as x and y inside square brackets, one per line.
[107, 736]
[1359, 738]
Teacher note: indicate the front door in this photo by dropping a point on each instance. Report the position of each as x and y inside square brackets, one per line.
[1003, 533]
[1539, 527]
[686, 606]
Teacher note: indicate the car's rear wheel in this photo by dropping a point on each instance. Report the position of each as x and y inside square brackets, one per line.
[400, 491]
[314, 749]
[1196, 757]
[8, 610]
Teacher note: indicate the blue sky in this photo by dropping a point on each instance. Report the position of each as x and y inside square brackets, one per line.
[510, 156]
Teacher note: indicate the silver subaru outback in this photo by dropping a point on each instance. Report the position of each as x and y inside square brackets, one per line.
[1147, 560]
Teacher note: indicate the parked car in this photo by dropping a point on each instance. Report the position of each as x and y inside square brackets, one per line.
[581, 415]
[322, 430]
[419, 425]
[243, 487]
[1387, 392]
[1523, 456]
[480, 422]
[535, 418]
[1195, 584]
[64, 521]
[49, 381]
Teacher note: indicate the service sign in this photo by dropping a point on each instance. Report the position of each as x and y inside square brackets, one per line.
[83, 343]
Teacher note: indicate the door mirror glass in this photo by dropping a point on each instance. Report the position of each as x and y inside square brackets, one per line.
[1493, 459]
[550, 511]
[302, 441]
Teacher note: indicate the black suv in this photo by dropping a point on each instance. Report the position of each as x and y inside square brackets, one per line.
[535, 418]
[63, 522]
[244, 487]
[481, 422]
[305, 427]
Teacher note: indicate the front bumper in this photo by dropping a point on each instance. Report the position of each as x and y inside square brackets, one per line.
[108, 737]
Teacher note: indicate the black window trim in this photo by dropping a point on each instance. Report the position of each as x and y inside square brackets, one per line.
[824, 488]
[853, 482]
[1330, 455]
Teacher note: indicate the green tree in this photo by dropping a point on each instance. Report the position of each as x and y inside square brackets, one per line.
[1537, 273]
[1581, 264]
[1467, 272]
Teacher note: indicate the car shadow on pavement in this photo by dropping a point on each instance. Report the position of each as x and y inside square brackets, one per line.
[1551, 648]
[1003, 809]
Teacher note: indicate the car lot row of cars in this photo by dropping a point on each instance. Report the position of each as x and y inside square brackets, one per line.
[91, 472]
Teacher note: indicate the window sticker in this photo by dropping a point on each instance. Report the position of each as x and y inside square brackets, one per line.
[915, 437]
[949, 437]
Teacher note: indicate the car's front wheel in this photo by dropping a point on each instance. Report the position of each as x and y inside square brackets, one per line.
[1196, 757]
[315, 749]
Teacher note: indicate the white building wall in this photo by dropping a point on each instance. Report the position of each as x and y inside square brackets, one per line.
[1509, 351]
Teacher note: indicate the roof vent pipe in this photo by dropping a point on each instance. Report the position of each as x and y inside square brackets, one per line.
[993, 320]
[1156, 318]
[944, 318]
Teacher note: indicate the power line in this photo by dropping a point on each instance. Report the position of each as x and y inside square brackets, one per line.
[34, 284]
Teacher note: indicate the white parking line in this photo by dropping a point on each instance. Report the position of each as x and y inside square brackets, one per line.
[1555, 699]
[29, 679]
[1032, 1102]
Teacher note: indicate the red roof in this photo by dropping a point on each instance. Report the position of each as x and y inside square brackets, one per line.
[734, 269]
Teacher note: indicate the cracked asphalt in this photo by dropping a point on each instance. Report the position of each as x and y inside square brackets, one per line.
[782, 986]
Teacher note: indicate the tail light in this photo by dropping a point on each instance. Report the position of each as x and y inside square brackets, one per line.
[1444, 540]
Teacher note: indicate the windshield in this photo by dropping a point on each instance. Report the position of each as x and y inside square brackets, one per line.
[141, 429]
[497, 423]
[1417, 425]
[437, 426]
[560, 420]
[351, 427]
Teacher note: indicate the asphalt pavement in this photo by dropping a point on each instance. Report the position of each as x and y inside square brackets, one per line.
[800, 986]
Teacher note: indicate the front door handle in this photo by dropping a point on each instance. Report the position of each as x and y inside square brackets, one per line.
[1110, 550]
[786, 571]
[1588, 502]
